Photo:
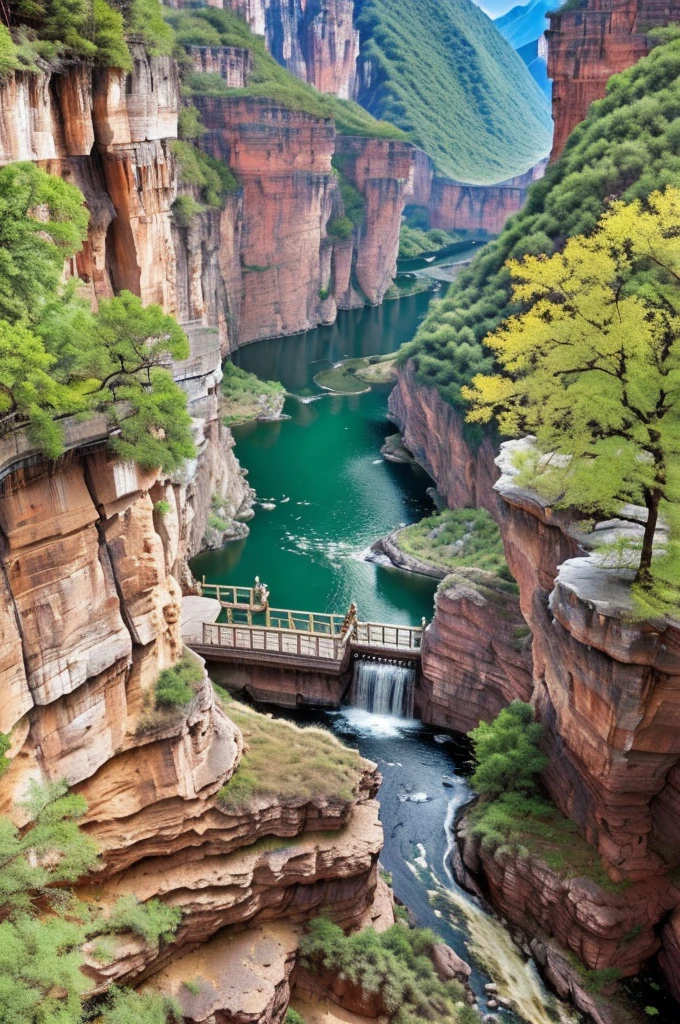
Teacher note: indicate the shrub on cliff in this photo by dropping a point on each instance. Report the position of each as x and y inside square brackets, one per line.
[591, 368]
[628, 146]
[90, 30]
[507, 752]
[176, 686]
[43, 926]
[396, 965]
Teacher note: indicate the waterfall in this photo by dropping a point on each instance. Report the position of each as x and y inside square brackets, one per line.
[383, 689]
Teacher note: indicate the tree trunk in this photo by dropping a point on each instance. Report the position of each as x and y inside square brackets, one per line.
[643, 575]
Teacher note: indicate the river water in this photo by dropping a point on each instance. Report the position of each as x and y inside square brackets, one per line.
[333, 494]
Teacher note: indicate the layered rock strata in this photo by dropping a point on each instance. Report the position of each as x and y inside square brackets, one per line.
[476, 653]
[314, 40]
[590, 43]
[433, 431]
[456, 206]
[605, 688]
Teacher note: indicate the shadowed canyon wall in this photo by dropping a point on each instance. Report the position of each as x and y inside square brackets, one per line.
[590, 43]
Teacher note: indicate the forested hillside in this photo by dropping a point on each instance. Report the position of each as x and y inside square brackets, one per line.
[628, 146]
[440, 70]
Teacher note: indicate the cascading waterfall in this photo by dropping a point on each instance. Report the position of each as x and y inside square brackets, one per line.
[383, 689]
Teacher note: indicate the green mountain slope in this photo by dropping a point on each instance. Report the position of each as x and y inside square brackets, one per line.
[443, 72]
[628, 145]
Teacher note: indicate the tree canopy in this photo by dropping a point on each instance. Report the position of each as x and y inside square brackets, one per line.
[507, 751]
[57, 357]
[591, 367]
[43, 926]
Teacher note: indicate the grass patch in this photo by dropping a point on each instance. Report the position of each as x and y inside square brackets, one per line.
[456, 539]
[378, 369]
[285, 761]
[172, 691]
[397, 964]
[528, 826]
[343, 377]
[246, 397]
[175, 687]
[269, 80]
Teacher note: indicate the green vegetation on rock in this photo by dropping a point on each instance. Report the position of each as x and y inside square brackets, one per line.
[591, 369]
[246, 397]
[209, 26]
[628, 146]
[396, 965]
[456, 538]
[52, 33]
[175, 686]
[59, 358]
[285, 762]
[415, 241]
[43, 926]
[513, 816]
[443, 73]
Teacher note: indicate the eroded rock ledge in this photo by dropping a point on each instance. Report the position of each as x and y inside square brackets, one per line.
[606, 689]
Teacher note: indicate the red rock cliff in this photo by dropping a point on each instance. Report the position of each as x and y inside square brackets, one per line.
[315, 39]
[589, 44]
[476, 652]
[607, 690]
[434, 433]
[455, 206]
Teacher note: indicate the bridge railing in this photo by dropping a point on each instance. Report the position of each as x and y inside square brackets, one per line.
[271, 640]
[379, 634]
[243, 597]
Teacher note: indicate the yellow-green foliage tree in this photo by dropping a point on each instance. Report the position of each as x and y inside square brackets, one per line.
[592, 369]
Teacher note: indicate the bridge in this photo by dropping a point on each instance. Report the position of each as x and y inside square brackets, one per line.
[244, 628]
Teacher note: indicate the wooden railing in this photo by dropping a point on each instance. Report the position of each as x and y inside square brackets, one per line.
[273, 641]
[243, 597]
[378, 634]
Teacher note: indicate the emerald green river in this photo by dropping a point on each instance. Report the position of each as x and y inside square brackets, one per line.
[332, 491]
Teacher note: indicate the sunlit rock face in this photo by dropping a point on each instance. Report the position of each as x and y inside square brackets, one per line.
[587, 45]
[476, 652]
[434, 433]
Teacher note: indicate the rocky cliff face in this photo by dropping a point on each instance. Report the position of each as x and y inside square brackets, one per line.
[476, 652]
[315, 39]
[282, 271]
[89, 615]
[606, 690]
[589, 44]
[455, 206]
[434, 433]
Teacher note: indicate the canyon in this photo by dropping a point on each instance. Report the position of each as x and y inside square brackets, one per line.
[95, 553]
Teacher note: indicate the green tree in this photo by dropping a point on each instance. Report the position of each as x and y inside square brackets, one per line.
[43, 221]
[592, 369]
[29, 390]
[43, 926]
[509, 759]
[130, 344]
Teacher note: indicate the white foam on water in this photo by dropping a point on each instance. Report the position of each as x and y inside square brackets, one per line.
[367, 723]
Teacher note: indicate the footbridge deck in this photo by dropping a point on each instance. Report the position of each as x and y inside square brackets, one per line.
[255, 632]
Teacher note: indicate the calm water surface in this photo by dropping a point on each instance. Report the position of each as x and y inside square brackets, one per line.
[322, 469]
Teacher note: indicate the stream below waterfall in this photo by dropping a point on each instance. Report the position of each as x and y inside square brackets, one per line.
[330, 494]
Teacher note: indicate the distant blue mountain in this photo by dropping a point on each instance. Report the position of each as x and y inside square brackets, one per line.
[523, 24]
[536, 66]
